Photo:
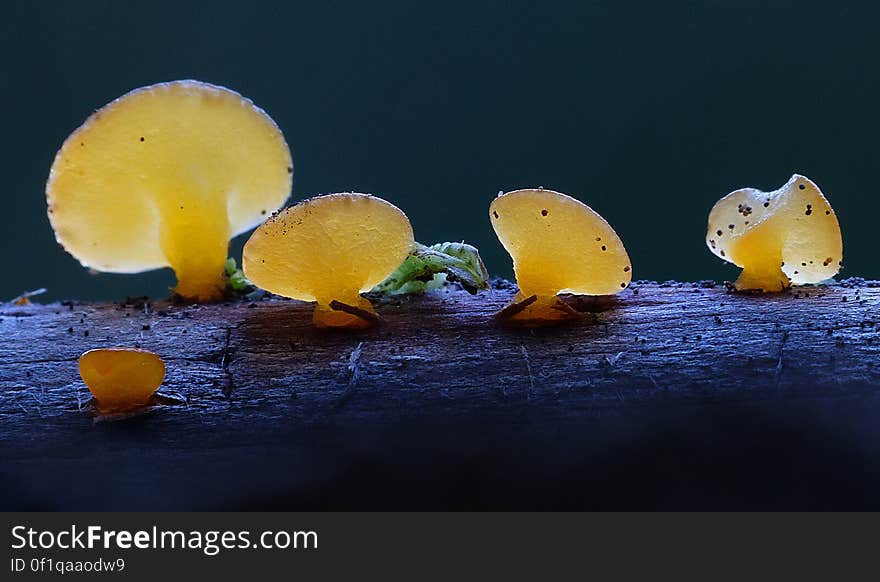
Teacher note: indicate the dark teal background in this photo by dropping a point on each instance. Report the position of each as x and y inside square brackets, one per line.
[648, 112]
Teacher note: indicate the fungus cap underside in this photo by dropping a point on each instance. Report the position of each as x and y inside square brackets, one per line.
[793, 230]
[559, 244]
[163, 172]
[329, 247]
[121, 378]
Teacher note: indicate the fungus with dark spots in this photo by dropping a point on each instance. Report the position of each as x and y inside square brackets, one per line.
[779, 236]
[330, 249]
[121, 379]
[209, 164]
[556, 253]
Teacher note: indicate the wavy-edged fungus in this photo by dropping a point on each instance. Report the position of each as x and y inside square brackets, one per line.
[165, 176]
[330, 249]
[788, 236]
[121, 379]
[558, 245]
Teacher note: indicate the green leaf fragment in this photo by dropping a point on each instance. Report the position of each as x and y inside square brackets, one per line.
[430, 267]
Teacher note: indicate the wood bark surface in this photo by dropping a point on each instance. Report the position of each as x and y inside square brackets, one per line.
[673, 396]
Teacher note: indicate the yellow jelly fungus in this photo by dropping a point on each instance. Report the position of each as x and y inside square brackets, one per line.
[330, 249]
[558, 245]
[788, 236]
[165, 176]
[121, 379]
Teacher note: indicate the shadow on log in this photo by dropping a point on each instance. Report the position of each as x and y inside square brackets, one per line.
[671, 396]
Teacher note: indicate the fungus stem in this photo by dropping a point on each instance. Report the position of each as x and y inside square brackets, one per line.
[349, 314]
[538, 310]
[564, 307]
[516, 307]
[356, 311]
[200, 282]
[768, 278]
[195, 241]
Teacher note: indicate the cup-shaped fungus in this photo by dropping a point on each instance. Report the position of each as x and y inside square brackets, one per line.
[121, 379]
[165, 176]
[558, 245]
[788, 236]
[330, 249]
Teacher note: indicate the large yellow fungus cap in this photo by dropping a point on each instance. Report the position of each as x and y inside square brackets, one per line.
[121, 379]
[165, 176]
[558, 245]
[788, 236]
[330, 249]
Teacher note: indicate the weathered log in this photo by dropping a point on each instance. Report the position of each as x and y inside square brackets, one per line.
[671, 395]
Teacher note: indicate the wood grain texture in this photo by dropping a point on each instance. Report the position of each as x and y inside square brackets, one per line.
[676, 395]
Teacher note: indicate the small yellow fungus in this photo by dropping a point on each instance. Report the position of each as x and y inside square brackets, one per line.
[121, 379]
[558, 245]
[788, 236]
[330, 249]
[165, 176]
